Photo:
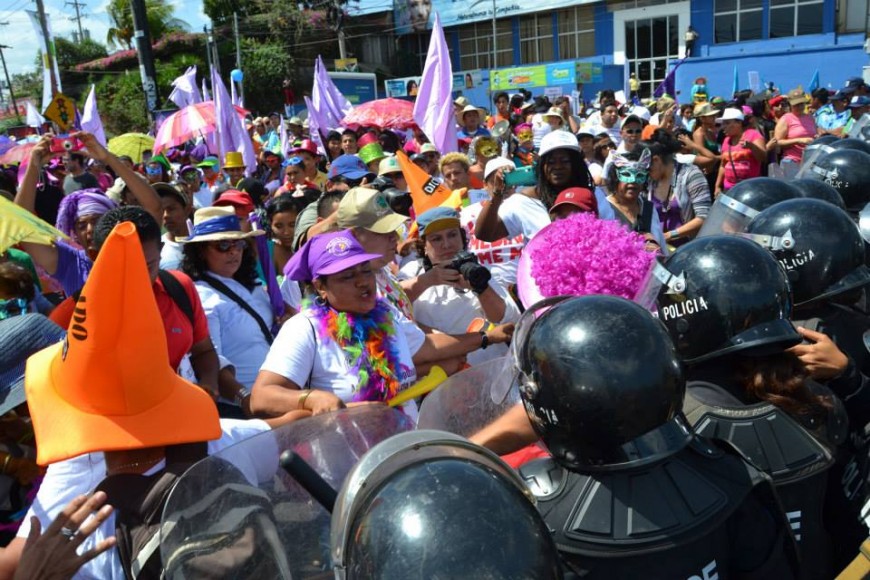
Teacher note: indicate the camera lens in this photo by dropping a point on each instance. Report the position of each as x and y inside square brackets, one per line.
[67, 144]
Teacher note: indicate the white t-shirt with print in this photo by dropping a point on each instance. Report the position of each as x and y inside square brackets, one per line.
[65, 480]
[500, 257]
[523, 216]
[451, 311]
[171, 254]
[299, 354]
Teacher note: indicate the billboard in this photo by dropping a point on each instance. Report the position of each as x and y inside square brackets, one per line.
[545, 75]
[357, 87]
[407, 86]
[417, 15]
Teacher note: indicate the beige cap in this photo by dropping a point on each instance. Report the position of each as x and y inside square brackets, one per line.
[368, 208]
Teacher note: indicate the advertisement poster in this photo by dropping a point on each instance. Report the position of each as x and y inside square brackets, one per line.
[589, 72]
[466, 80]
[528, 77]
[418, 15]
[403, 87]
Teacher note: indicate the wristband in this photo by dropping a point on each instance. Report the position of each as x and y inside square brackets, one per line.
[484, 340]
[241, 394]
[675, 234]
[301, 401]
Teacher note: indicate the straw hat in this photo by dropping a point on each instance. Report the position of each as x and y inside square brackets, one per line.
[109, 386]
[216, 223]
[233, 160]
[555, 112]
[704, 110]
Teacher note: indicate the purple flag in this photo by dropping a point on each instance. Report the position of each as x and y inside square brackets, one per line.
[234, 95]
[326, 107]
[316, 123]
[669, 85]
[283, 135]
[433, 109]
[231, 132]
[185, 91]
[275, 298]
[91, 121]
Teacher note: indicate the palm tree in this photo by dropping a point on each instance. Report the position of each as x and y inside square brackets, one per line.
[160, 21]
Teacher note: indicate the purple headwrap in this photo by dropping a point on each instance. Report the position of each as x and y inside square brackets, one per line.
[91, 201]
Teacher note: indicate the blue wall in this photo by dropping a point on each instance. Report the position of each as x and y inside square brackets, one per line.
[787, 62]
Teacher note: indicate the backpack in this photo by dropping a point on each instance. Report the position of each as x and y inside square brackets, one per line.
[138, 501]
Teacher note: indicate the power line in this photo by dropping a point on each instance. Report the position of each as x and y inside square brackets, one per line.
[78, 17]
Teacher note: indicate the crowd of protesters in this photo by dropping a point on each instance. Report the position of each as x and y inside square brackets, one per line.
[312, 284]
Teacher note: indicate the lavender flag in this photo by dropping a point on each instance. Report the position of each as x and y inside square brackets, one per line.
[433, 109]
[268, 266]
[185, 91]
[283, 135]
[91, 121]
[326, 96]
[231, 132]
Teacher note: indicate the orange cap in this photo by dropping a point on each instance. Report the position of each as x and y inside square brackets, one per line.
[109, 385]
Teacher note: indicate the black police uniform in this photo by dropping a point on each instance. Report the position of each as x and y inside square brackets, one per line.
[797, 452]
[701, 513]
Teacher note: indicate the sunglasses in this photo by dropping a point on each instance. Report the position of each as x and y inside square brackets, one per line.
[13, 307]
[629, 175]
[633, 131]
[225, 246]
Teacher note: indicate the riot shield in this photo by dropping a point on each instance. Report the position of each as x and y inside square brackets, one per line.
[236, 514]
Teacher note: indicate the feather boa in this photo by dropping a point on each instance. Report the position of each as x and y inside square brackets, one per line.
[368, 343]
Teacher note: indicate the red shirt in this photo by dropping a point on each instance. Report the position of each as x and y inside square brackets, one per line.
[180, 334]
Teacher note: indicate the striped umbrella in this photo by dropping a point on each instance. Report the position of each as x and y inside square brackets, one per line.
[188, 123]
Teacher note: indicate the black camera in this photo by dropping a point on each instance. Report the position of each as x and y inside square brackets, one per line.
[400, 201]
[469, 267]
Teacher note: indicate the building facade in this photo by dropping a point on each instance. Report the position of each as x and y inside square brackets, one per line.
[753, 41]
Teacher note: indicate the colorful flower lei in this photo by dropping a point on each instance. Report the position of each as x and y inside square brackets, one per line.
[368, 343]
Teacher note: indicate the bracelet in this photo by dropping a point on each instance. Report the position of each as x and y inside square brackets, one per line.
[675, 234]
[241, 394]
[484, 340]
[6, 463]
[300, 402]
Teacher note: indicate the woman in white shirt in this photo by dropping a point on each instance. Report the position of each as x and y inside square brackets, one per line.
[472, 300]
[348, 346]
[222, 263]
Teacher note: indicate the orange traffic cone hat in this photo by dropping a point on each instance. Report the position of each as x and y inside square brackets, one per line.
[109, 386]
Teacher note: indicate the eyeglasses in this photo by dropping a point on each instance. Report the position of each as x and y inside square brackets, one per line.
[225, 246]
[13, 307]
[632, 131]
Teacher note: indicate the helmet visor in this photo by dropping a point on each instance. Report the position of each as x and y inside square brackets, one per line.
[658, 280]
[727, 216]
[864, 223]
[809, 165]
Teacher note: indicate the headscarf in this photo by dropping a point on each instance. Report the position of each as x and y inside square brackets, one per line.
[85, 202]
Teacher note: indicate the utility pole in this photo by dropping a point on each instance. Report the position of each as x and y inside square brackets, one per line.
[207, 46]
[47, 57]
[78, 17]
[238, 55]
[142, 38]
[338, 17]
[8, 82]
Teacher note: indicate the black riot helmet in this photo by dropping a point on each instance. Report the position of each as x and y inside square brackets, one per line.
[724, 294]
[847, 171]
[825, 140]
[430, 504]
[601, 383]
[736, 207]
[823, 251]
[815, 189]
[851, 143]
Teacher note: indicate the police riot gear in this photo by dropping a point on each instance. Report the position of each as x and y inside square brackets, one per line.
[430, 504]
[826, 255]
[847, 171]
[851, 143]
[734, 209]
[735, 297]
[815, 189]
[630, 489]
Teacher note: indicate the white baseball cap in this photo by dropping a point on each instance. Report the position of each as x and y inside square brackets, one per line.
[495, 164]
[558, 140]
[731, 115]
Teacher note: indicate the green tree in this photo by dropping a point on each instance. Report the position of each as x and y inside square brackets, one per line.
[122, 104]
[29, 85]
[221, 11]
[71, 53]
[160, 21]
[265, 64]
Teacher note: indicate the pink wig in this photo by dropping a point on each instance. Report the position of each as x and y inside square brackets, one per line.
[583, 255]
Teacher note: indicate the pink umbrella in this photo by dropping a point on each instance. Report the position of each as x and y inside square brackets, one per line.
[188, 123]
[383, 114]
[17, 154]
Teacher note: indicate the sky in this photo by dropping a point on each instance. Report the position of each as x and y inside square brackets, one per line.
[21, 37]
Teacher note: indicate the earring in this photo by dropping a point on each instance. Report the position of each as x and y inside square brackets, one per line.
[320, 301]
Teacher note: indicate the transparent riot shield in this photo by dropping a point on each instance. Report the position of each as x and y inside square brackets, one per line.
[237, 514]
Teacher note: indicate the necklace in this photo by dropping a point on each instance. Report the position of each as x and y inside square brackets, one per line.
[369, 345]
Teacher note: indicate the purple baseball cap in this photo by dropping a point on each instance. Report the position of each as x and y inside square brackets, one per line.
[327, 254]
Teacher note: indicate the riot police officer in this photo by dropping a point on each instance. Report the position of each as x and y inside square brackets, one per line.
[734, 209]
[430, 504]
[630, 490]
[726, 303]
